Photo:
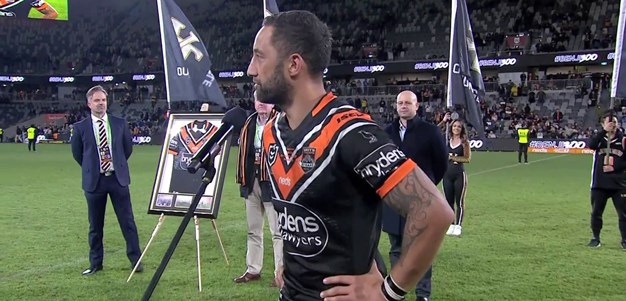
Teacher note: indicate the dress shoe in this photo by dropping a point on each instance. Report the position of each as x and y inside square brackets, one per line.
[247, 277]
[274, 283]
[139, 268]
[91, 270]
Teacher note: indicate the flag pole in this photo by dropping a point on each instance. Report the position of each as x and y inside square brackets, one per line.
[162, 31]
[617, 60]
[450, 66]
[450, 62]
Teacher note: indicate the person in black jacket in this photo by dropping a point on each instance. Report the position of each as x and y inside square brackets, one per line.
[252, 176]
[423, 143]
[608, 176]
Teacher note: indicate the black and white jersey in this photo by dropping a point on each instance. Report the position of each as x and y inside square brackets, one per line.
[328, 178]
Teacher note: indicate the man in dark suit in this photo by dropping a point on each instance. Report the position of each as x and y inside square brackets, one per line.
[423, 143]
[101, 145]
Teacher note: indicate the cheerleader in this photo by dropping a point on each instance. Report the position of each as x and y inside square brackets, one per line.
[455, 179]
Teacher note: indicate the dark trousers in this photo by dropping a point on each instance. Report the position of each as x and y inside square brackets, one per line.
[599, 198]
[454, 188]
[96, 206]
[423, 286]
[32, 142]
[380, 263]
[523, 149]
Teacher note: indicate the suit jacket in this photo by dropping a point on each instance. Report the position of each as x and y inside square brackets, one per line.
[424, 144]
[85, 151]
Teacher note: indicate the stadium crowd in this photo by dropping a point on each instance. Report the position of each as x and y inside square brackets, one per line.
[363, 30]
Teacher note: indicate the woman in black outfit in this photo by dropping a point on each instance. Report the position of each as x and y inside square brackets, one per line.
[455, 179]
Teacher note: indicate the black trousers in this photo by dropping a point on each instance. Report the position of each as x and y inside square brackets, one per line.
[380, 263]
[454, 188]
[599, 198]
[523, 149]
[96, 206]
[32, 142]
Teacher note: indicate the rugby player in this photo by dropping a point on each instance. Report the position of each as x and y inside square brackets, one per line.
[330, 166]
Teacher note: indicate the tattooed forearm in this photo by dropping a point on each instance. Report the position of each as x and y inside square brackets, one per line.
[427, 216]
[411, 199]
[49, 13]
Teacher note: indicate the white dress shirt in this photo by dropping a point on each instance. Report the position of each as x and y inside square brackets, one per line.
[95, 126]
[402, 131]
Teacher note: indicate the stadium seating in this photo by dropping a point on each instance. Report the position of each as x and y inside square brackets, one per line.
[385, 30]
[367, 30]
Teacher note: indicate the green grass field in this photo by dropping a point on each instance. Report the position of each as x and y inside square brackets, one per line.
[59, 5]
[524, 236]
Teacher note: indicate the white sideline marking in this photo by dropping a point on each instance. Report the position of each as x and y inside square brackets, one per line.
[514, 165]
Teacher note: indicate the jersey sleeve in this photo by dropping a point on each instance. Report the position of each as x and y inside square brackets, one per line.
[375, 159]
[174, 145]
[38, 4]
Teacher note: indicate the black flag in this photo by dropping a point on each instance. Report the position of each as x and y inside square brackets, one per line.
[270, 8]
[618, 85]
[465, 81]
[188, 75]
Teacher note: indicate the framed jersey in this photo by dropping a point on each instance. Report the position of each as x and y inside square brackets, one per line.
[174, 187]
[35, 9]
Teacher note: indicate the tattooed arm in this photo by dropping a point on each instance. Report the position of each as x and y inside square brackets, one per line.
[49, 13]
[370, 153]
[46, 9]
[428, 216]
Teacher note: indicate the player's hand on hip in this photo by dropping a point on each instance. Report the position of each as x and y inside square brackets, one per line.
[607, 168]
[279, 277]
[355, 288]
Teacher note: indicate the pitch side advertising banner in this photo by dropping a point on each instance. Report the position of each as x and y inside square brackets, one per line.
[138, 139]
[559, 147]
[139, 78]
[510, 63]
[155, 139]
[504, 63]
[546, 146]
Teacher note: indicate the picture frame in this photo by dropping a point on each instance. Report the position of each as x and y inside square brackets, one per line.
[174, 187]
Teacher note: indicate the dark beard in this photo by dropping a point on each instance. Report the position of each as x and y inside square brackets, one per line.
[276, 90]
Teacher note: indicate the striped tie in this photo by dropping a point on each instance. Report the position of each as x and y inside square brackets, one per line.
[105, 154]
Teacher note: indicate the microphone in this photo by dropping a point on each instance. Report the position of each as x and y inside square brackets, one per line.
[232, 121]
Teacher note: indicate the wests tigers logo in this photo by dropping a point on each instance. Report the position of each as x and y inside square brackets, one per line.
[272, 153]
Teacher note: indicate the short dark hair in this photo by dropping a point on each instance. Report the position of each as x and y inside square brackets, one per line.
[302, 32]
[608, 114]
[95, 89]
